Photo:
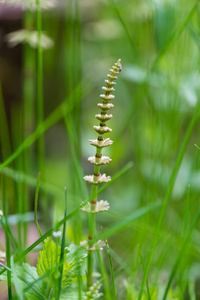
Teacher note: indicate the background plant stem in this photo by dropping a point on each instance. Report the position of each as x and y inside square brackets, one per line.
[40, 100]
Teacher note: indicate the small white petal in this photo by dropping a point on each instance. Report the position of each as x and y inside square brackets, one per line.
[99, 161]
[102, 129]
[105, 106]
[103, 117]
[97, 180]
[101, 144]
[107, 97]
[100, 206]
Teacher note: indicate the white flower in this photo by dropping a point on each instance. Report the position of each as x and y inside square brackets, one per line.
[97, 246]
[105, 106]
[99, 161]
[102, 129]
[2, 256]
[101, 144]
[30, 37]
[31, 4]
[97, 180]
[100, 206]
[57, 234]
[104, 117]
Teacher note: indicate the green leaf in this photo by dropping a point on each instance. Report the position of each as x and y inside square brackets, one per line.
[17, 282]
[33, 287]
[76, 254]
[154, 293]
[26, 282]
[48, 260]
[68, 274]
[71, 293]
[75, 257]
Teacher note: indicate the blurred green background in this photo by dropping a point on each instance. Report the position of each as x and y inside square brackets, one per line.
[157, 95]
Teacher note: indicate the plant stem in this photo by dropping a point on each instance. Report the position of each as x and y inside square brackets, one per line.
[99, 160]
[39, 79]
[28, 88]
[90, 252]
[92, 217]
[8, 254]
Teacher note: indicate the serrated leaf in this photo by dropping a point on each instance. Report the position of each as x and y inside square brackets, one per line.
[68, 274]
[74, 257]
[49, 264]
[48, 260]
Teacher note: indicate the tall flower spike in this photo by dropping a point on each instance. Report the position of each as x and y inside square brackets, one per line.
[98, 160]
[97, 178]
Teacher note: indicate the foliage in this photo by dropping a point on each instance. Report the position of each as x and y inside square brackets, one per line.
[46, 119]
[40, 283]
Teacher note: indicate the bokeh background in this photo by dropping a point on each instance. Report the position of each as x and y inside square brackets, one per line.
[157, 95]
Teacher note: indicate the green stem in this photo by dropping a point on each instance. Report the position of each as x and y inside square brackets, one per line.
[8, 254]
[39, 80]
[28, 109]
[91, 235]
[92, 225]
[101, 129]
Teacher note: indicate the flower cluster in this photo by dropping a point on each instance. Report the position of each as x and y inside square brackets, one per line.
[98, 160]
[93, 206]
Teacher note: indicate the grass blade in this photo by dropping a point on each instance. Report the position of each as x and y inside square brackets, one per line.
[8, 254]
[147, 284]
[111, 267]
[62, 246]
[180, 255]
[168, 192]
[104, 275]
[126, 222]
[53, 118]
[39, 79]
[35, 208]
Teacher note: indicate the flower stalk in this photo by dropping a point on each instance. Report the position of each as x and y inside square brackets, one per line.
[95, 206]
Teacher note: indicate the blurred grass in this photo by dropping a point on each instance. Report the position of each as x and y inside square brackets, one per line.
[157, 102]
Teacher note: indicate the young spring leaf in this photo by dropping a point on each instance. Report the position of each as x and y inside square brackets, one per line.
[49, 262]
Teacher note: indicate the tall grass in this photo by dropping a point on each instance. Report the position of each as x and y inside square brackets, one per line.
[155, 127]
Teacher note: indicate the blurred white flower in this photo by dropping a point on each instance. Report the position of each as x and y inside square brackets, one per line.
[30, 37]
[32, 4]
[2, 256]
[57, 234]
[100, 206]
[97, 246]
